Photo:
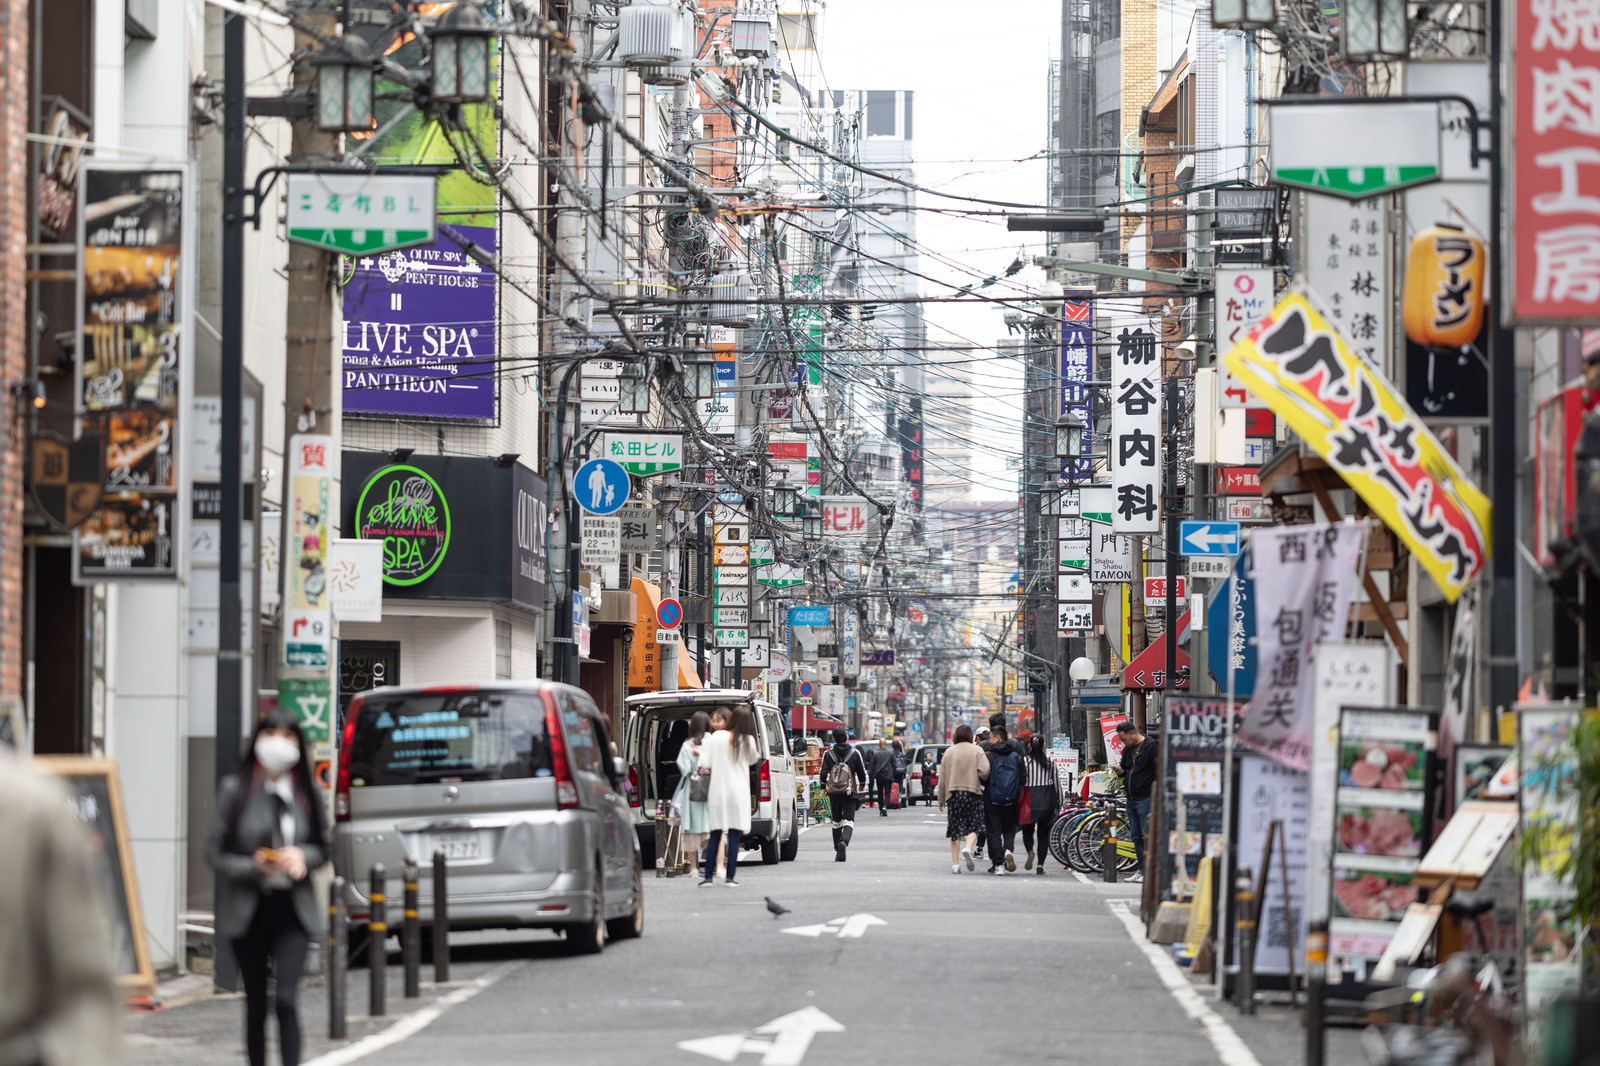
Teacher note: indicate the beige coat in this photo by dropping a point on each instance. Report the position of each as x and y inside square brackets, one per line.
[964, 768]
[58, 993]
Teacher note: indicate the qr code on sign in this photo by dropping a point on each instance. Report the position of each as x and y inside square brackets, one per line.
[1277, 932]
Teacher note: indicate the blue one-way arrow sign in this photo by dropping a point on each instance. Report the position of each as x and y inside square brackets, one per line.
[1209, 538]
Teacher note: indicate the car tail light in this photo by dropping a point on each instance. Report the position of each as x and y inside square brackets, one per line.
[566, 785]
[766, 781]
[341, 791]
[633, 787]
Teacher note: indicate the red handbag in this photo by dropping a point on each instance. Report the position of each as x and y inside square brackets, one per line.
[1025, 808]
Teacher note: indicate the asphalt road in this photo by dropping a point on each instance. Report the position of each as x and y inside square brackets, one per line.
[963, 968]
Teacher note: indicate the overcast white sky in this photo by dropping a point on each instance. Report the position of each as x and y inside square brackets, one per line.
[979, 72]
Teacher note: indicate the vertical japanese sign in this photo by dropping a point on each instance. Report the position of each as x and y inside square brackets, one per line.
[1135, 428]
[1348, 269]
[1193, 745]
[849, 646]
[1243, 298]
[1349, 414]
[133, 319]
[911, 459]
[307, 618]
[1551, 935]
[1305, 576]
[1077, 370]
[1555, 164]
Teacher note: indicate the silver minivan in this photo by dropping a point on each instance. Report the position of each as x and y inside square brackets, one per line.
[658, 723]
[515, 783]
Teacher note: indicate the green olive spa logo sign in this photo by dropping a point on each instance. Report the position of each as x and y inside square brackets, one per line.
[406, 509]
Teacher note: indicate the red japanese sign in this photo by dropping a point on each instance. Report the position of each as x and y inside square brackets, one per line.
[1239, 480]
[1555, 163]
[1155, 588]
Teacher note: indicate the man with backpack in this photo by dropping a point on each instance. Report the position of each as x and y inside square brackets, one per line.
[1003, 790]
[900, 766]
[844, 775]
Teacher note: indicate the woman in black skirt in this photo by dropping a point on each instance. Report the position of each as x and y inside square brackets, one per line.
[962, 772]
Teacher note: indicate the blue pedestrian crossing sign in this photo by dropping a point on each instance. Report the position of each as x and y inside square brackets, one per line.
[1209, 538]
[601, 486]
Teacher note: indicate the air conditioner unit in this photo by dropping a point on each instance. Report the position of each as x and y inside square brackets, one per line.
[656, 40]
[752, 35]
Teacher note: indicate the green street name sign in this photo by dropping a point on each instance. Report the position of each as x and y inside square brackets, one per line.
[361, 214]
[1354, 149]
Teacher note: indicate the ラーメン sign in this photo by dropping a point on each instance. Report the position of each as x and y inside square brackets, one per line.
[406, 509]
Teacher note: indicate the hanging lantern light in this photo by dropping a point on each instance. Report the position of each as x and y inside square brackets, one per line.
[1443, 304]
[460, 56]
[1243, 14]
[1373, 31]
[344, 87]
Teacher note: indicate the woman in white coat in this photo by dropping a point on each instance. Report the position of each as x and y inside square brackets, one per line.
[728, 753]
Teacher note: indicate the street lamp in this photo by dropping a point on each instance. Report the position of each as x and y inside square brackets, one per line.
[1081, 670]
[1243, 14]
[344, 87]
[1373, 30]
[784, 499]
[634, 390]
[700, 376]
[460, 56]
[811, 524]
[1069, 436]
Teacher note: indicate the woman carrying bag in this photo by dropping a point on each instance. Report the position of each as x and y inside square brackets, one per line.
[1041, 800]
[694, 788]
[728, 753]
[267, 837]
[962, 773]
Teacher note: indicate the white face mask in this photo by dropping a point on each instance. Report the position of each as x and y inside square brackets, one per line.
[276, 754]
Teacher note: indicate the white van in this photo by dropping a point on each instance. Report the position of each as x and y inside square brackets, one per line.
[658, 723]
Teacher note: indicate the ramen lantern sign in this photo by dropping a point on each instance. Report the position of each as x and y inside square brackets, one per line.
[405, 508]
[1444, 287]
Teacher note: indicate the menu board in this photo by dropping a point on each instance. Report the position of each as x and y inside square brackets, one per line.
[1381, 830]
[1549, 761]
[1270, 792]
[1193, 743]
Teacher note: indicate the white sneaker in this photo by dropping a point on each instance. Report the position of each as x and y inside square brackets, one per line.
[955, 867]
[1011, 863]
[966, 856]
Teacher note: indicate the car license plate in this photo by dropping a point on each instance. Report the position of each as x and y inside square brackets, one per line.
[457, 845]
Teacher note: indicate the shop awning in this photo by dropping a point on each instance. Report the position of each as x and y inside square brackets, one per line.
[810, 720]
[644, 654]
[1149, 668]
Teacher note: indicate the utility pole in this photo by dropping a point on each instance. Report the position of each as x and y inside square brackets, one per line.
[230, 665]
[305, 686]
[1174, 512]
[681, 119]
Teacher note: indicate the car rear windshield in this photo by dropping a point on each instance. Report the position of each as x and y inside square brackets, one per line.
[449, 736]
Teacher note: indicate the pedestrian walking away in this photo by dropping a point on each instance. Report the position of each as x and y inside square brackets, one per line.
[267, 836]
[982, 741]
[1140, 756]
[898, 753]
[692, 812]
[728, 753]
[882, 775]
[844, 773]
[58, 993]
[962, 773]
[1005, 793]
[1041, 791]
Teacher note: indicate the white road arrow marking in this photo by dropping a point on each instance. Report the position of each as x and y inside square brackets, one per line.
[1202, 538]
[853, 927]
[790, 1035]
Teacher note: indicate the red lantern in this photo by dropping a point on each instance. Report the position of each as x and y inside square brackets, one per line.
[1444, 287]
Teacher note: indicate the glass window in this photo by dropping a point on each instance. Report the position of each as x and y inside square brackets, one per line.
[880, 114]
[502, 651]
[469, 736]
[797, 32]
[582, 748]
[775, 738]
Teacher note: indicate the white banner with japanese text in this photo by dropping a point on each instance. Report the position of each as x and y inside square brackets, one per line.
[1135, 426]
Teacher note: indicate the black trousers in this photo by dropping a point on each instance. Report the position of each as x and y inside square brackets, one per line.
[1002, 831]
[1042, 825]
[843, 807]
[276, 937]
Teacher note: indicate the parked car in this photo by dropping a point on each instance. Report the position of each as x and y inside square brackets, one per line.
[658, 723]
[917, 788]
[515, 782]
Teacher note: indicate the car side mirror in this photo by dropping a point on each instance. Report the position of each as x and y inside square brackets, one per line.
[619, 768]
[798, 746]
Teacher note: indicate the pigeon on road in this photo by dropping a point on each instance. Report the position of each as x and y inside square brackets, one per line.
[775, 907]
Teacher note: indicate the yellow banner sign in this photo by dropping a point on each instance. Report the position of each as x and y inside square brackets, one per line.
[1350, 414]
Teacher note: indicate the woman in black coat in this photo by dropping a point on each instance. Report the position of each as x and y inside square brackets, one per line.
[268, 835]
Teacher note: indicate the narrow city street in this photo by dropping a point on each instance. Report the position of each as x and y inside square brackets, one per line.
[953, 969]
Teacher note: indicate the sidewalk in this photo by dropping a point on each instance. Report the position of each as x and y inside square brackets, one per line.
[196, 1026]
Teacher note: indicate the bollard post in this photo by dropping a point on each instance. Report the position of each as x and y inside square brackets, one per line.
[1108, 850]
[1244, 903]
[411, 934]
[441, 921]
[377, 954]
[338, 961]
[1316, 992]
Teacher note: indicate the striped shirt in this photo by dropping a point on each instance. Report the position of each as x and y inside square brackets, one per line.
[1036, 776]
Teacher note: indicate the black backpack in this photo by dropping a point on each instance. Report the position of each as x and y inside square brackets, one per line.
[1005, 777]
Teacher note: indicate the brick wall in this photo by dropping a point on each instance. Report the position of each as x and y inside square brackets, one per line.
[13, 338]
[1140, 77]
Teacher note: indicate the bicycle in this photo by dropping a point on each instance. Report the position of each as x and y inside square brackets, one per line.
[1078, 833]
[1461, 1005]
